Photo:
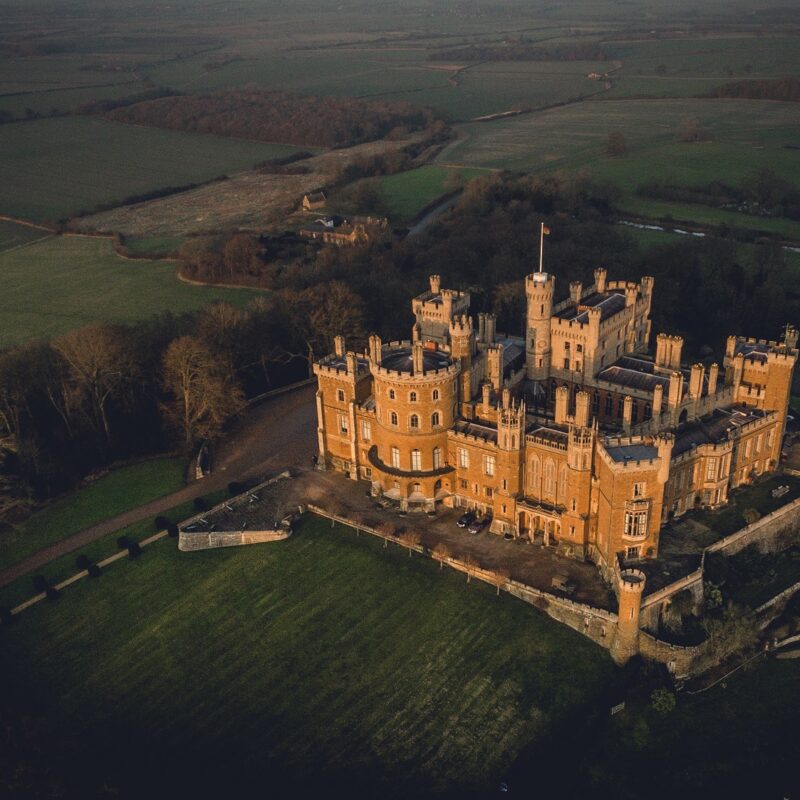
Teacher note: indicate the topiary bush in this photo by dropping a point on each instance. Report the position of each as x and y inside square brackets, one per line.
[40, 583]
[123, 542]
[134, 551]
[662, 701]
[52, 594]
[94, 571]
[172, 529]
[83, 561]
[161, 523]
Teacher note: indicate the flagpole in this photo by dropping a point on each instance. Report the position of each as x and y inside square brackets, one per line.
[541, 246]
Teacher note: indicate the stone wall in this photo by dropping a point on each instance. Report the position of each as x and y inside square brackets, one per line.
[679, 660]
[766, 532]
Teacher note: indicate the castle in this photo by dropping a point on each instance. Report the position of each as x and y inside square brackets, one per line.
[574, 436]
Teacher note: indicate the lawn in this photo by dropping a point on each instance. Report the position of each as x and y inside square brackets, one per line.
[55, 168]
[67, 281]
[112, 494]
[13, 235]
[321, 661]
[407, 193]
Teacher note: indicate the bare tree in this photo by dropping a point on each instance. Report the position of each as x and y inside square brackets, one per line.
[357, 518]
[411, 539]
[388, 530]
[500, 578]
[204, 393]
[441, 553]
[98, 368]
[335, 509]
[471, 564]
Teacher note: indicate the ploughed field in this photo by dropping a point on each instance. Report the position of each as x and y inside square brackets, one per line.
[64, 282]
[310, 660]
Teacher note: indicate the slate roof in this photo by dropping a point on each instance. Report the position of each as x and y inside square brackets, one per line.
[753, 350]
[610, 303]
[400, 360]
[714, 428]
[631, 452]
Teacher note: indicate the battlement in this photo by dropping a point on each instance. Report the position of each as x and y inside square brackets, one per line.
[461, 325]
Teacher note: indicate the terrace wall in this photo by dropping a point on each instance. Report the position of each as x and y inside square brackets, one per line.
[209, 541]
[767, 532]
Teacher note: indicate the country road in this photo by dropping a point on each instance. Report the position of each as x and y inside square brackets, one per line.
[278, 433]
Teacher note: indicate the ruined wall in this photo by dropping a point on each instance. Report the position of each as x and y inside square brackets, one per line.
[208, 541]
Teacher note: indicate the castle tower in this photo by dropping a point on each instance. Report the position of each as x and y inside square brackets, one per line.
[494, 365]
[510, 449]
[626, 640]
[577, 503]
[462, 345]
[539, 287]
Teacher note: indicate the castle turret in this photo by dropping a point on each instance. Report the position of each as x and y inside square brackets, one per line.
[338, 345]
[582, 409]
[575, 292]
[696, 381]
[713, 377]
[539, 287]
[658, 400]
[494, 365]
[627, 413]
[562, 405]
[375, 347]
[626, 640]
[600, 276]
[436, 284]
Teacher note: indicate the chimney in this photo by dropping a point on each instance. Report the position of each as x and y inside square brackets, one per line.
[627, 413]
[338, 345]
[675, 389]
[417, 356]
[562, 405]
[600, 279]
[696, 381]
[713, 377]
[575, 291]
[582, 409]
[658, 400]
[486, 395]
[375, 349]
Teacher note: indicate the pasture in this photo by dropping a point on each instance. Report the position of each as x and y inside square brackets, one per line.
[118, 491]
[64, 282]
[55, 168]
[13, 235]
[317, 660]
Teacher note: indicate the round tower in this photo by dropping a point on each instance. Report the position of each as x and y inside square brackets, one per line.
[626, 641]
[539, 288]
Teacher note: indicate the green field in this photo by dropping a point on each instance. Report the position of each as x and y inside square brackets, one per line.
[13, 235]
[407, 193]
[54, 168]
[67, 281]
[319, 657]
[112, 494]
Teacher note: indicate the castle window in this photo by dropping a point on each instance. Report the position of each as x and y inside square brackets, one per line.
[566, 347]
[609, 406]
[396, 457]
[463, 457]
[596, 403]
[533, 473]
[435, 394]
[579, 348]
[769, 437]
[435, 419]
[366, 430]
[437, 457]
[488, 491]
[413, 421]
[566, 363]
[635, 523]
[488, 465]
[577, 366]
[416, 460]
[639, 489]
[602, 360]
[747, 445]
[391, 394]
[571, 530]
[549, 477]
[634, 412]
[562, 481]
[758, 444]
[340, 395]
[412, 397]
[711, 469]
[620, 406]
[648, 411]
[574, 505]
[342, 423]
[463, 484]
[393, 418]
[631, 553]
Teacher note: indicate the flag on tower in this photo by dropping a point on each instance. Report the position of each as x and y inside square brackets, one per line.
[545, 230]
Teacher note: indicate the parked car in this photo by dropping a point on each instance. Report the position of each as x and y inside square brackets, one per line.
[466, 519]
[479, 524]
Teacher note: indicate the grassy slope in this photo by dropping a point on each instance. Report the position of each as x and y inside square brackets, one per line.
[326, 652]
[65, 282]
[407, 193]
[13, 235]
[112, 494]
[58, 167]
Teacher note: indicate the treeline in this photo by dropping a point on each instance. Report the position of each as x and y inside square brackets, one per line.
[107, 392]
[522, 51]
[103, 106]
[274, 116]
[762, 193]
[786, 89]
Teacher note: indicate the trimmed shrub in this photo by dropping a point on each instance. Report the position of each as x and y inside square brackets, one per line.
[161, 523]
[94, 571]
[83, 561]
[662, 701]
[200, 504]
[52, 594]
[134, 551]
[235, 487]
[123, 542]
[172, 529]
[39, 583]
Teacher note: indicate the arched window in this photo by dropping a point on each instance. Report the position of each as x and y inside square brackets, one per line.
[413, 421]
[412, 397]
[416, 460]
[562, 481]
[549, 476]
[435, 419]
[437, 457]
[391, 394]
[393, 418]
[533, 473]
[435, 394]
[596, 403]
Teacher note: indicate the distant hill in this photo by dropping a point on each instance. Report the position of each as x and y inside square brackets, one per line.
[787, 89]
[274, 116]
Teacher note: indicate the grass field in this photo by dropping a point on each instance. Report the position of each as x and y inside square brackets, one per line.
[407, 193]
[13, 235]
[64, 282]
[319, 657]
[54, 168]
[112, 494]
